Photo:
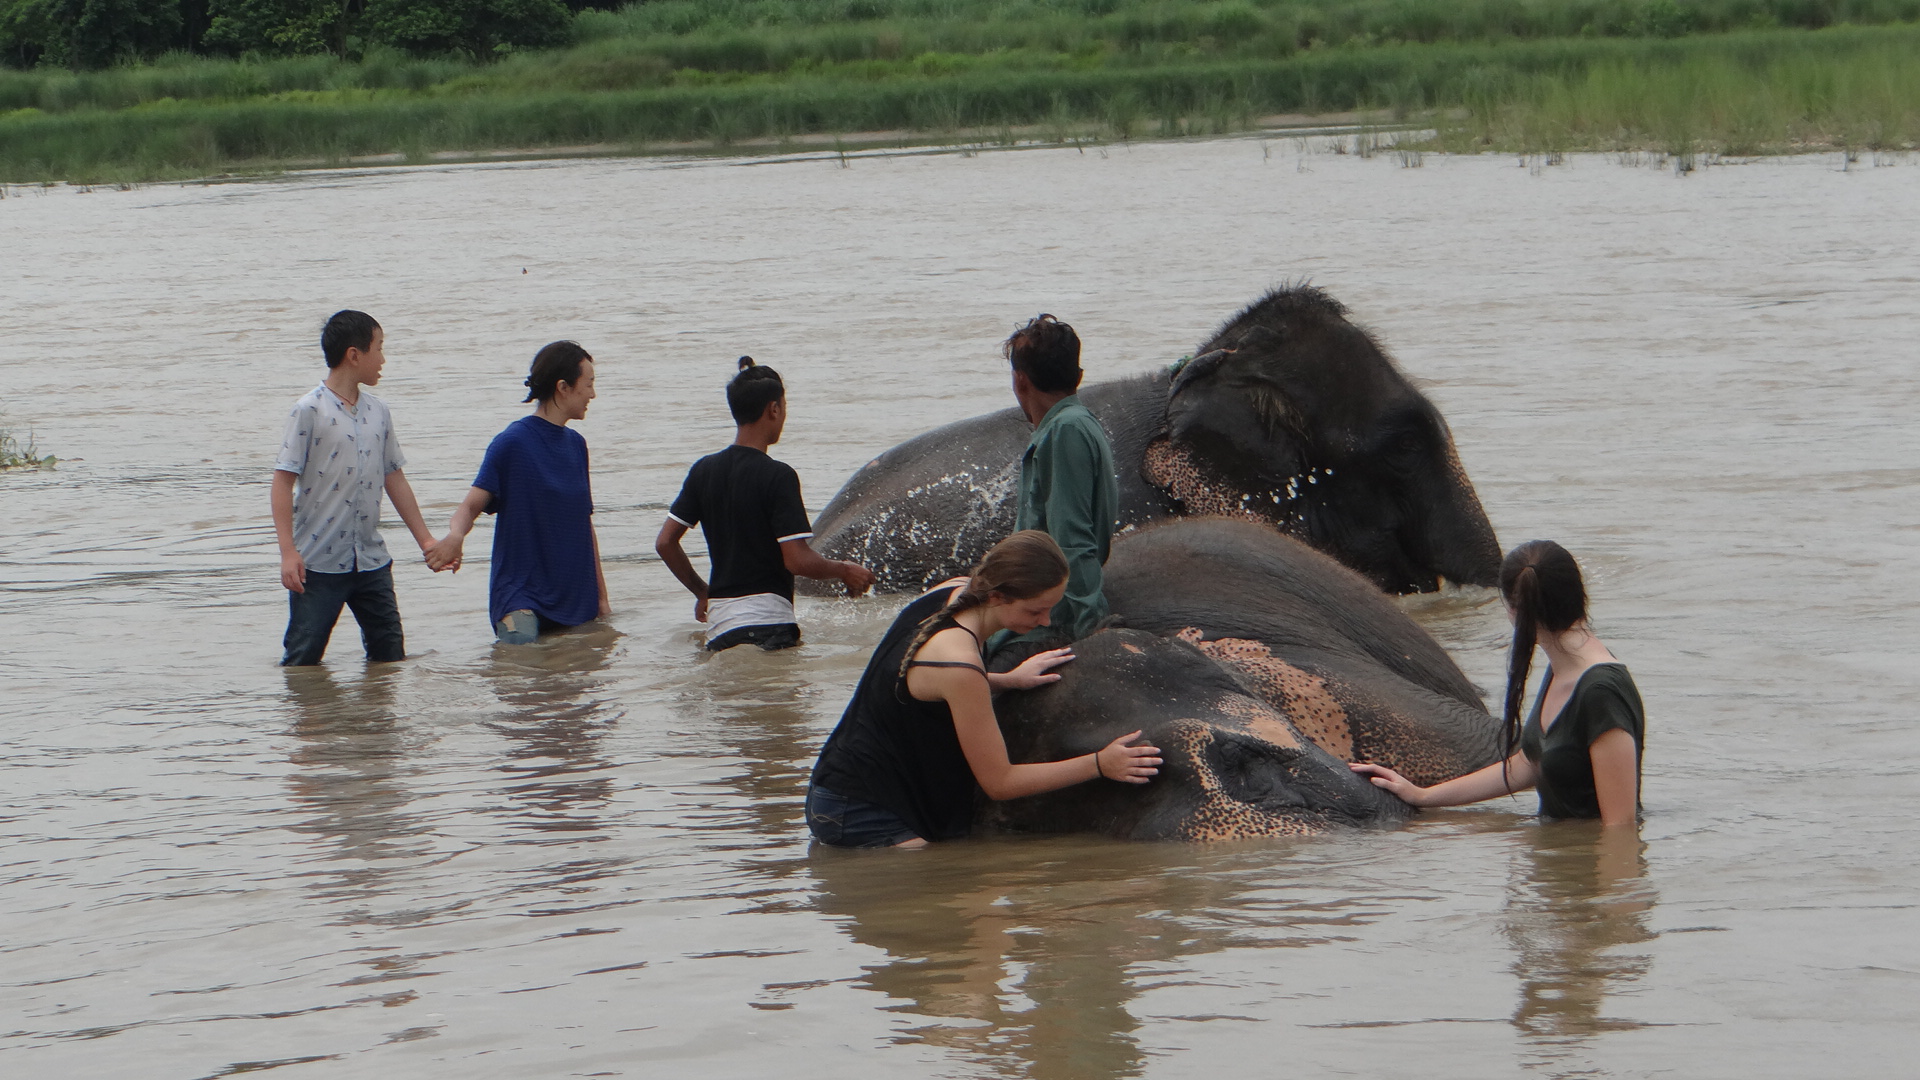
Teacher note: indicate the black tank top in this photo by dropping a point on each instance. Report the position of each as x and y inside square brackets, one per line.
[895, 751]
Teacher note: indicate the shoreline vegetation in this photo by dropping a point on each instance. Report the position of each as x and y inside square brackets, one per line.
[1677, 78]
[15, 454]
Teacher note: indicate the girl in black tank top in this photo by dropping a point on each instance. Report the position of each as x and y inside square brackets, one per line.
[919, 737]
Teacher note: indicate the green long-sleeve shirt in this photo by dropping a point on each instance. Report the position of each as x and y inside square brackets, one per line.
[1068, 491]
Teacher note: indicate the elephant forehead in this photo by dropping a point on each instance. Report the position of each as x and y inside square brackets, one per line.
[1302, 697]
[1202, 492]
[1259, 719]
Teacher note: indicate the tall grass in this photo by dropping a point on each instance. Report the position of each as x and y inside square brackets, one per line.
[1743, 92]
[15, 454]
[696, 42]
[1735, 102]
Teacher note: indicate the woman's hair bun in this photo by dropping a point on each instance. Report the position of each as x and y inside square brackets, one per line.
[746, 362]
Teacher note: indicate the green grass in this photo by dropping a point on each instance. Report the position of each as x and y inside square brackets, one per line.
[1716, 76]
[15, 454]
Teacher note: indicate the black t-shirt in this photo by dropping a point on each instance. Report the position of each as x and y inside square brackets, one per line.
[1604, 698]
[895, 751]
[747, 505]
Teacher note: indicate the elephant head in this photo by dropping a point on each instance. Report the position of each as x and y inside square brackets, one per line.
[1292, 415]
[1310, 638]
[1234, 766]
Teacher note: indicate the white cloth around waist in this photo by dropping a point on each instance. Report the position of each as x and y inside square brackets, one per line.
[759, 609]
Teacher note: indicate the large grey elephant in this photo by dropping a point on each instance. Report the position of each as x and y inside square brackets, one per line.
[1289, 415]
[1259, 667]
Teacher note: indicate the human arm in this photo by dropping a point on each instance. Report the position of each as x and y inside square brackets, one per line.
[802, 561]
[445, 553]
[1499, 778]
[293, 569]
[600, 573]
[967, 696]
[401, 494]
[1616, 776]
[667, 546]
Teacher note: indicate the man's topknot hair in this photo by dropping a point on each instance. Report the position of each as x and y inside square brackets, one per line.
[752, 390]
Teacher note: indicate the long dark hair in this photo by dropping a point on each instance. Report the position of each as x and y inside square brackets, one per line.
[1021, 567]
[555, 363]
[1542, 584]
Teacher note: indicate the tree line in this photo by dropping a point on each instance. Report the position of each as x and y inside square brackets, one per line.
[86, 34]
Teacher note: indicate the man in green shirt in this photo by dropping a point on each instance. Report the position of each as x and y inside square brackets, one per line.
[1067, 484]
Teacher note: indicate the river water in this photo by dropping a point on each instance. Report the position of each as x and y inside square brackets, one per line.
[586, 859]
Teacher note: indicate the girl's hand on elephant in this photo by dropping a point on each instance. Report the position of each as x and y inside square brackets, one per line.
[1128, 764]
[1402, 788]
[1033, 671]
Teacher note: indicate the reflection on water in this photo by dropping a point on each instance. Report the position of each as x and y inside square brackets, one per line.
[352, 774]
[1579, 896]
[557, 777]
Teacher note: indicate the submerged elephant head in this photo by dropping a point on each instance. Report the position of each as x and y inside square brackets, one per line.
[1310, 638]
[1234, 766]
[1292, 415]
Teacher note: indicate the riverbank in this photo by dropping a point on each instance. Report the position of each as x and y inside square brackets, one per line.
[1737, 93]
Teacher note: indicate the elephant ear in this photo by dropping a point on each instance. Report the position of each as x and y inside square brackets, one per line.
[1194, 369]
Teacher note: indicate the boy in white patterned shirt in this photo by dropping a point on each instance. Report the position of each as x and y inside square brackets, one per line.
[338, 455]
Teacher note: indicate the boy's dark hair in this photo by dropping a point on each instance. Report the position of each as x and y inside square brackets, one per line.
[555, 363]
[751, 391]
[1047, 352]
[346, 330]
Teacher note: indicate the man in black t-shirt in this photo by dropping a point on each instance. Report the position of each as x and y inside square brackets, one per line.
[748, 507]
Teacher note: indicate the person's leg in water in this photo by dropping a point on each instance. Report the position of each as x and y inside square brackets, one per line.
[524, 627]
[378, 612]
[770, 638]
[311, 615]
[840, 821]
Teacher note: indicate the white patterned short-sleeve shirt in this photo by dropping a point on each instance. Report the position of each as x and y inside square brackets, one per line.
[342, 454]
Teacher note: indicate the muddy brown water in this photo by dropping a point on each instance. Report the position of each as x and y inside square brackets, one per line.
[585, 858]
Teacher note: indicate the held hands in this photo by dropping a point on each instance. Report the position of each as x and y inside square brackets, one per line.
[1128, 764]
[1402, 788]
[858, 579]
[293, 572]
[444, 554]
[1034, 671]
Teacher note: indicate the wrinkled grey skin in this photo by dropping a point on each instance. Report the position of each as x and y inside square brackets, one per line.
[1311, 638]
[1260, 667]
[1233, 766]
[1289, 415]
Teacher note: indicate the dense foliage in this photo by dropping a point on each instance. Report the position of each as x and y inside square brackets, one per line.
[85, 34]
[764, 35]
[317, 82]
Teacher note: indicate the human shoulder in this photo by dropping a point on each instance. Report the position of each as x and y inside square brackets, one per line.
[1075, 425]
[1609, 699]
[946, 648]
[311, 401]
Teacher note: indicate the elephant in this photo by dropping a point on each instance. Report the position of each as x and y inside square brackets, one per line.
[1260, 668]
[1289, 415]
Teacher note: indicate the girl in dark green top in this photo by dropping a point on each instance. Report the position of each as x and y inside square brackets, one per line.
[1580, 746]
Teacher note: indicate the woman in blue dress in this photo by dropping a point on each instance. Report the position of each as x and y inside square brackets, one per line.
[1580, 746]
[546, 555]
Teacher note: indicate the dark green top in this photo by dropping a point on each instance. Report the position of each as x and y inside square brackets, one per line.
[1068, 491]
[1604, 698]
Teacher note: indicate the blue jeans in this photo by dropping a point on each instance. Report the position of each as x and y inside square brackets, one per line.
[843, 822]
[367, 593]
